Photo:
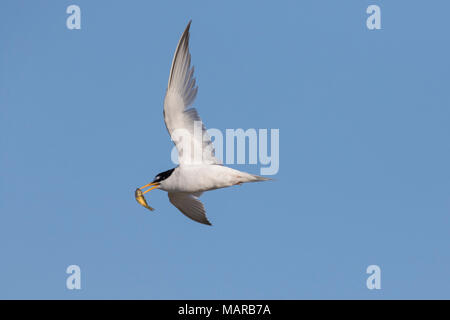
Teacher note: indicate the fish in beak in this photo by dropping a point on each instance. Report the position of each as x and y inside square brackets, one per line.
[139, 195]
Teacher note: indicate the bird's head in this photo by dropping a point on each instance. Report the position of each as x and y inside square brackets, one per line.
[160, 177]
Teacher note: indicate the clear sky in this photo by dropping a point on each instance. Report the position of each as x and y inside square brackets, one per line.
[364, 173]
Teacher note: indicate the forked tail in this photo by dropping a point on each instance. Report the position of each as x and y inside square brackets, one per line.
[247, 177]
[259, 178]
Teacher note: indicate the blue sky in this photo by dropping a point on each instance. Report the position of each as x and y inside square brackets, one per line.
[364, 150]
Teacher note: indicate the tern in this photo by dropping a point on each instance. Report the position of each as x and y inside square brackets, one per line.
[198, 169]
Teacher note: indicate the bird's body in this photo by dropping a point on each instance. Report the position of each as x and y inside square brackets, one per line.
[199, 170]
[201, 178]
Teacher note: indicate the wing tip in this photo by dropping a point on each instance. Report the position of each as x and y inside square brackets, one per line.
[186, 30]
[182, 42]
[203, 220]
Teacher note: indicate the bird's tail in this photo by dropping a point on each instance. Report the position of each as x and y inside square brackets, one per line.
[248, 177]
[259, 178]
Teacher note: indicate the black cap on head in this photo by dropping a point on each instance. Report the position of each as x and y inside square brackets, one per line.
[163, 175]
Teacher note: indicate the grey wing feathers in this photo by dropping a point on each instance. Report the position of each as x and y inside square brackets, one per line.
[179, 118]
[190, 206]
[181, 77]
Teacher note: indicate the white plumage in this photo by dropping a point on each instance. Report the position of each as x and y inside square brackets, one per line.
[199, 170]
[181, 93]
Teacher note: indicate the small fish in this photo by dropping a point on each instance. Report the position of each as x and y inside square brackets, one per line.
[141, 200]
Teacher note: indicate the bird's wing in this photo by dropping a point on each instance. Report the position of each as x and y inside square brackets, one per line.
[185, 127]
[190, 206]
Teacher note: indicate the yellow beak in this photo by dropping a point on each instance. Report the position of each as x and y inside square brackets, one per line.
[153, 185]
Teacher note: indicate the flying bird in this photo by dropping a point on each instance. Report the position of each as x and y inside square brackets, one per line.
[198, 170]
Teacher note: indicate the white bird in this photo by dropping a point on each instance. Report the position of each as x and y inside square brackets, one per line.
[198, 170]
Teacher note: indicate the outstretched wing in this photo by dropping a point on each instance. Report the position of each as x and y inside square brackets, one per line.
[183, 123]
[190, 206]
